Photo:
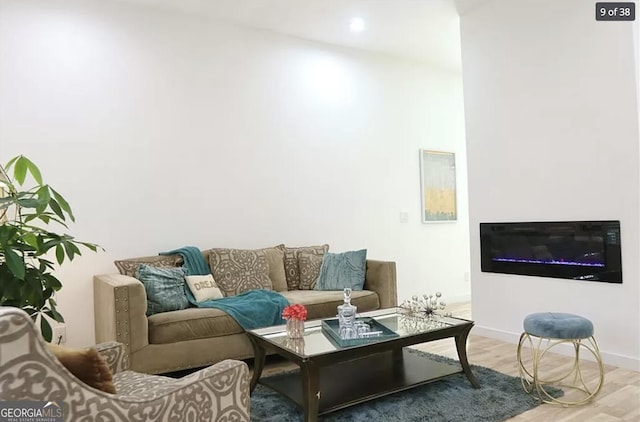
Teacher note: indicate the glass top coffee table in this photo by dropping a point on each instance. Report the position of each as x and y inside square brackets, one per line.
[333, 377]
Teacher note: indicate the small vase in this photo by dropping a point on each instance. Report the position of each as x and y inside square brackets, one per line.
[295, 328]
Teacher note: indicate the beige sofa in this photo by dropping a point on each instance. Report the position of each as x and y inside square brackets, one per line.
[197, 337]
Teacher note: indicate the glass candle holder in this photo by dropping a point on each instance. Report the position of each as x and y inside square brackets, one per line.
[295, 328]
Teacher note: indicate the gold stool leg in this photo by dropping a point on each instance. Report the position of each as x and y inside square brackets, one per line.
[527, 377]
[533, 383]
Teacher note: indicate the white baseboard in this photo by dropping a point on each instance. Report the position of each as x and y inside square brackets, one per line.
[614, 359]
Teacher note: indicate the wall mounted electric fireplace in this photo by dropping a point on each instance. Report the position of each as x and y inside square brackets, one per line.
[581, 250]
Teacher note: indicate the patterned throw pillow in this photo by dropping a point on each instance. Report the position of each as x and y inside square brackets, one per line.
[340, 270]
[291, 262]
[309, 265]
[239, 270]
[130, 266]
[203, 287]
[164, 287]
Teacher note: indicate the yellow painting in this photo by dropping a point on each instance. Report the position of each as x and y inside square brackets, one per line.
[438, 177]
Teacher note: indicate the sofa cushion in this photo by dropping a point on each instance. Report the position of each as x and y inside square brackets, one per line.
[165, 288]
[342, 270]
[291, 262]
[324, 304]
[309, 265]
[191, 324]
[277, 275]
[130, 266]
[239, 270]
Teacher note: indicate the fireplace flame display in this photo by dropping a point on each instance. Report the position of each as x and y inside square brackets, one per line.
[581, 250]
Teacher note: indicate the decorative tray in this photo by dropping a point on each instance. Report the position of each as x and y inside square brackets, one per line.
[331, 328]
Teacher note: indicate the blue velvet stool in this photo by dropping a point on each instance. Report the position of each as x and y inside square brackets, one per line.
[544, 331]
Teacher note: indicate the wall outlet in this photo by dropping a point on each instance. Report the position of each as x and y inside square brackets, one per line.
[59, 334]
[404, 217]
[466, 276]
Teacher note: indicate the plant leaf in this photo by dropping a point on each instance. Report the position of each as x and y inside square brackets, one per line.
[10, 162]
[45, 328]
[91, 246]
[44, 197]
[59, 254]
[20, 170]
[31, 240]
[53, 282]
[6, 201]
[29, 202]
[63, 203]
[15, 263]
[34, 170]
[72, 250]
[56, 208]
[56, 315]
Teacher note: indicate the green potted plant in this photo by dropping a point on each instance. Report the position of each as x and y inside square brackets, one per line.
[27, 245]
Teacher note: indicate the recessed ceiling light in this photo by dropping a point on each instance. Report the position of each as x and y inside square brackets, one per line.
[356, 25]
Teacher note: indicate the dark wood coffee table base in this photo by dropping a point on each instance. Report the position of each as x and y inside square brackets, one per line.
[348, 383]
[339, 377]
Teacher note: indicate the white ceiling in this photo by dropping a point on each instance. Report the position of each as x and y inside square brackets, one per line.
[419, 30]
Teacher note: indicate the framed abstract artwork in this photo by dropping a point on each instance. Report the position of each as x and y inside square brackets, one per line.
[438, 186]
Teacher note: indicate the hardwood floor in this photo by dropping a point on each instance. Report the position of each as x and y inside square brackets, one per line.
[619, 399]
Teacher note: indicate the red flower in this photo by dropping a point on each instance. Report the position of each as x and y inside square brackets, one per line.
[296, 311]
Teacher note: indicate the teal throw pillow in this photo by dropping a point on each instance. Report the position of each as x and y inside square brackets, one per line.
[165, 288]
[340, 270]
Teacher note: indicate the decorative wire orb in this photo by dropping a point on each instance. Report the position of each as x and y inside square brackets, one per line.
[425, 306]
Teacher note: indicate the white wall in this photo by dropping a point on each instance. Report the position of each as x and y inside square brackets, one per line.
[164, 130]
[552, 134]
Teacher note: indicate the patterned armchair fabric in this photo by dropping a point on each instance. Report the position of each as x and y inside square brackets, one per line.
[115, 355]
[28, 371]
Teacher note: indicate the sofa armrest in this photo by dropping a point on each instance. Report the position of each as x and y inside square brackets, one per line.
[381, 278]
[115, 355]
[120, 306]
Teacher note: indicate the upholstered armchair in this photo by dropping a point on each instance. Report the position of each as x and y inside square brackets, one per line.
[30, 371]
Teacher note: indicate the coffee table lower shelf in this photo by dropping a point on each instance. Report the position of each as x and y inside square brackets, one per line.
[360, 380]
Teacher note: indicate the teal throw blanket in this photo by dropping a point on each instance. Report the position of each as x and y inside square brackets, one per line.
[252, 309]
[194, 263]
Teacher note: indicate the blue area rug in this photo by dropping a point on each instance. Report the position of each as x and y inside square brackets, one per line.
[452, 399]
